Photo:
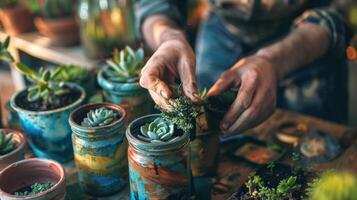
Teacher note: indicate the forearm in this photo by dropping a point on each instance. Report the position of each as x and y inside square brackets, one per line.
[157, 29]
[302, 46]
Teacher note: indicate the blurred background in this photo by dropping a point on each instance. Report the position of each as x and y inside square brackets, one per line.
[85, 32]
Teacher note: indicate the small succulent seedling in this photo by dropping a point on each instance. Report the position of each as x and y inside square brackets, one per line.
[6, 143]
[125, 65]
[159, 130]
[45, 88]
[35, 189]
[253, 184]
[4, 53]
[99, 117]
[72, 73]
[203, 94]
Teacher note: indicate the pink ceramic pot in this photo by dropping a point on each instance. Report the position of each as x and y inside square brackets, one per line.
[27, 172]
[18, 153]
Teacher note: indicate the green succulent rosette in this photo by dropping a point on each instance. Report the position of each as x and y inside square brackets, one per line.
[99, 117]
[158, 131]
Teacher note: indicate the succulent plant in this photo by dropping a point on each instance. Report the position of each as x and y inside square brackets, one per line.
[72, 73]
[203, 94]
[125, 65]
[334, 185]
[99, 117]
[4, 53]
[159, 130]
[6, 143]
[56, 8]
[45, 87]
[35, 189]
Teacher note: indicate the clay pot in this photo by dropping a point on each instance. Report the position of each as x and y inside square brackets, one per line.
[16, 19]
[61, 31]
[27, 172]
[18, 153]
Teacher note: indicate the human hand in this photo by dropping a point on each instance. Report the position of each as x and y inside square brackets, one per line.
[255, 77]
[173, 59]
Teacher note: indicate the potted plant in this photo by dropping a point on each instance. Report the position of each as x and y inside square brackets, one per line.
[10, 13]
[12, 147]
[57, 22]
[100, 147]
[78, 75]
[158, 156]
[33, 179]
[120, 81]
[44, 109]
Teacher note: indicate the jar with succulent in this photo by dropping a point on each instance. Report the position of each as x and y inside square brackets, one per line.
[105, 25]
[57, 21]
[12, 147]
[10, 13]
[40, 179]
[120, 81]
[158, 155]
[100, 147]
[44, 109]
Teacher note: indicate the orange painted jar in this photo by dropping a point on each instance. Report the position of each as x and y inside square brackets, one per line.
[158, 170]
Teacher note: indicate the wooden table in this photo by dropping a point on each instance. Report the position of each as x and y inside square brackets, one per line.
[232, 174]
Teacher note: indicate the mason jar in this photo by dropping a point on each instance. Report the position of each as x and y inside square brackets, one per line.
[100, 153]
[158, 171]
[105, 25]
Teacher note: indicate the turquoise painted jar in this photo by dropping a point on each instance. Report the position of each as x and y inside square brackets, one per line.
[130, 94]
[48, 132]
[158, 170]
[100, 153]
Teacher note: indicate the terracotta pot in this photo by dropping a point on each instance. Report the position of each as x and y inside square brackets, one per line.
[18, 153]
[27, 172]
[16, 19]
[62, 31]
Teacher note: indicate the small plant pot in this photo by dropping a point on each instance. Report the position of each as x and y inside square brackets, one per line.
[48, 132]
[18, 153]
[101, 152]
[62, 31]
[24, 173]
[16, 19]
[158, 171]
[204, 148]
[131, 94]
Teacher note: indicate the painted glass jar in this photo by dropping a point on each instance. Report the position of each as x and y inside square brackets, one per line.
[131, 94]
[100, 153]
[158, 171]
[105, 25]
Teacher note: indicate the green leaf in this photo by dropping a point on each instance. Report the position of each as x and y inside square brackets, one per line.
[6, 57]
[24, 69]
[6, 43]
[46, 75]
[33, 96]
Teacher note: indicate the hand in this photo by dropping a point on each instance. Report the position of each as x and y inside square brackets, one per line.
[173, 59]
[255, 76]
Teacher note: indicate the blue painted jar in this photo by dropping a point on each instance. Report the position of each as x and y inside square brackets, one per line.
[158, 171]
[48, 132]
[100, 153]
[126, 93]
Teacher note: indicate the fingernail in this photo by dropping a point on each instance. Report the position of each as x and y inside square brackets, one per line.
[164, 94]
[225, 126]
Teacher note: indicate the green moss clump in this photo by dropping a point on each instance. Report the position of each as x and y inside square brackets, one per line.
[35, 189]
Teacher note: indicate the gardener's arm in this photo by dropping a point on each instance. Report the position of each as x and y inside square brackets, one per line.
[173, 57]
[256, 76]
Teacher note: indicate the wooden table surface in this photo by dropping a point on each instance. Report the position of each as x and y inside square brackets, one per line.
[232, 173]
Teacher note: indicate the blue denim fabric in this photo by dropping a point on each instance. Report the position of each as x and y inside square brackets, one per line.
[319, 89]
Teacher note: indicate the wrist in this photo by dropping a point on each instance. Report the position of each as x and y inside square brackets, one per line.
[275, 61]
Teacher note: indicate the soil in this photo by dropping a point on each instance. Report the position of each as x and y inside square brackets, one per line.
[65, 100]
[271, 178]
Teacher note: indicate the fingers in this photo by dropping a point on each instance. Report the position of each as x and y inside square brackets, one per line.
[242, 101]
[187, 74]
[159, 100]
[226, 80]
[261, 107]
